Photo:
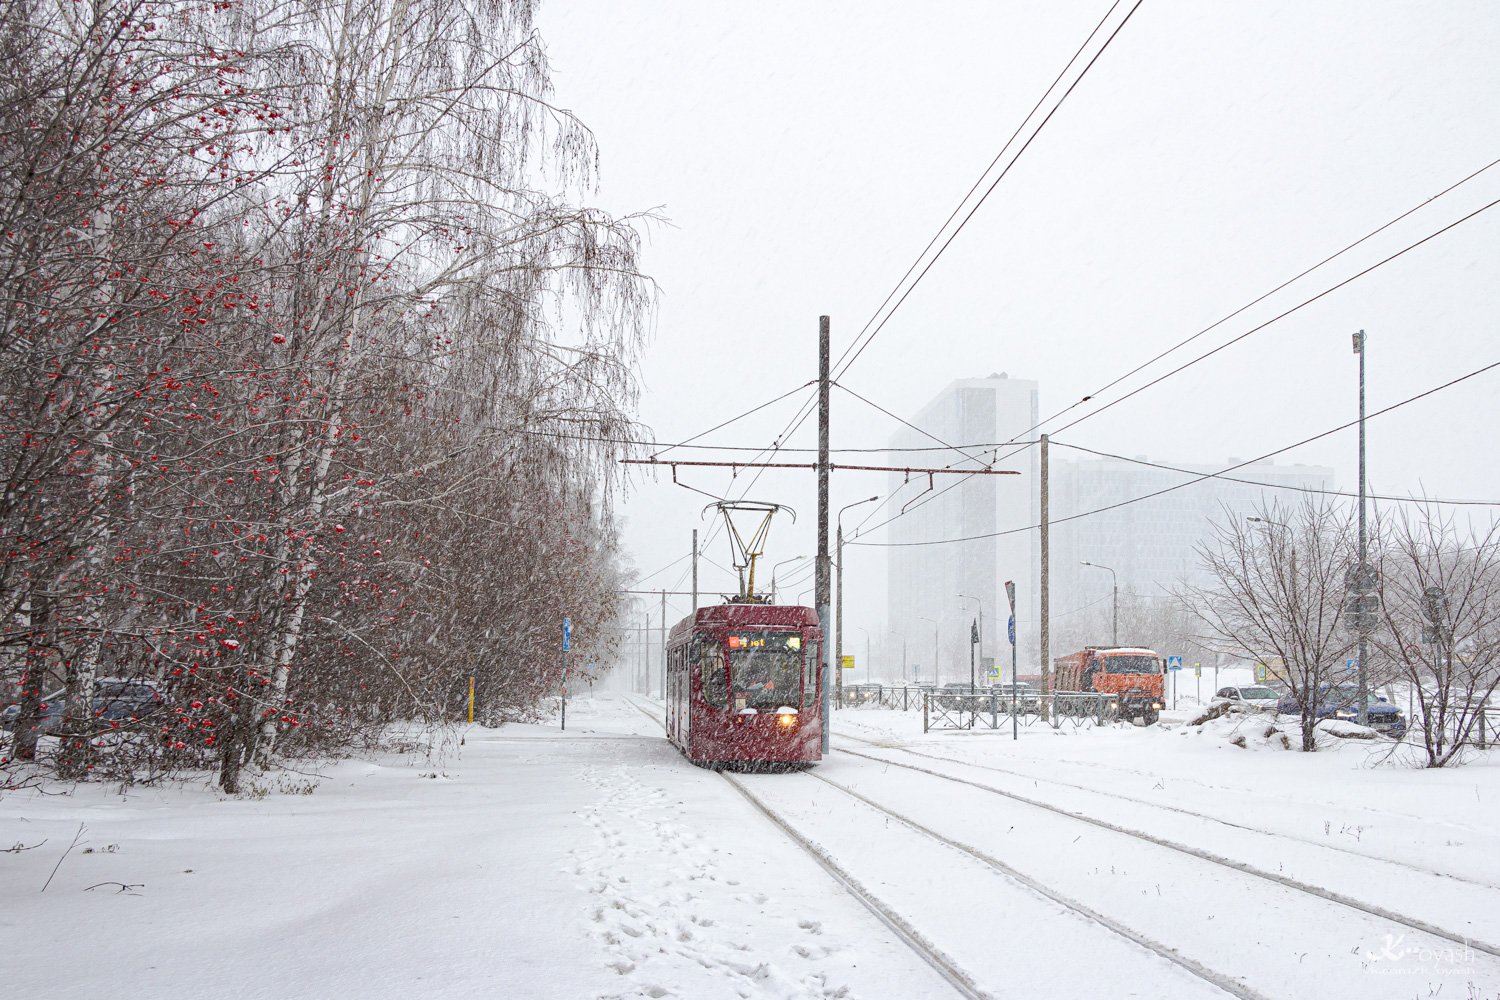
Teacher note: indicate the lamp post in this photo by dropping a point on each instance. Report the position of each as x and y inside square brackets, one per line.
[773, 573]
[980, 605]
[935, 625]
[1364, 578]
[1116, 627]
[838, 612]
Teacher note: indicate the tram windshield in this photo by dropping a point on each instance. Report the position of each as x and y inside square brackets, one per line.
[765, 669]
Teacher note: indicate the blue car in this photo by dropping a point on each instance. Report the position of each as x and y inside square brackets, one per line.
[1341, 701]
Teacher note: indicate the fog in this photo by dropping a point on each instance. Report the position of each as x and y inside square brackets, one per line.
[804, 155]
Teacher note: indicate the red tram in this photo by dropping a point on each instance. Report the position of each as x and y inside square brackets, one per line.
[743, 685]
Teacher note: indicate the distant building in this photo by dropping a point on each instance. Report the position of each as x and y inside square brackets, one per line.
[1150, 542]
[924, 580]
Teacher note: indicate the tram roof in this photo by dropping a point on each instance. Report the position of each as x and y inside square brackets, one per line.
[750, 616]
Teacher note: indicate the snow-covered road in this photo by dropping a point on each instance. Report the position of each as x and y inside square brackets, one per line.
[598, 863]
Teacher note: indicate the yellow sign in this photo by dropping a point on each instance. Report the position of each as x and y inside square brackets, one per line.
[847, 663]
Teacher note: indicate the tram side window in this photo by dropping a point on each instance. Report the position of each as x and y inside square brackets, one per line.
[711, 663]
[810, 676]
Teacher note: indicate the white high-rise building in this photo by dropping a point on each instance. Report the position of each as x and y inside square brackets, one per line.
[1151, 543]
[924, 580]
[1149, 540]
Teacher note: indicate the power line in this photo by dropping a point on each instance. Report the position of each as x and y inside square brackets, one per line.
[873, 333]
[1197, 479]
[1256, 329]
[800, 416]
[1278, 486]
[980, 180]
[1261, 298]
[1226, 344]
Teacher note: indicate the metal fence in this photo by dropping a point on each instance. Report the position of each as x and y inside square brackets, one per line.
[901, 697]
[950, 710]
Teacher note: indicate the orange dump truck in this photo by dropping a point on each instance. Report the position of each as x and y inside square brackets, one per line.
[1132, 673]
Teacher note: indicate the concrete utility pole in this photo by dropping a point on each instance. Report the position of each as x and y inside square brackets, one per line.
[838, 623]
[695, 572]
[822, 587]
[1363, 582]
[663, 689]
[1046, 606]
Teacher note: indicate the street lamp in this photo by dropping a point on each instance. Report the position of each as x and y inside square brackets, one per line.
[1360, 346]
[980, 605]
[935, 625]
[838, 619]
[867, 651]
[1116, 627]
[773, 574]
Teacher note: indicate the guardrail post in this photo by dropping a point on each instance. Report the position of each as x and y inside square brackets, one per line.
[1055, 721]
[994, 711]
[924, 713]
[1482, 734]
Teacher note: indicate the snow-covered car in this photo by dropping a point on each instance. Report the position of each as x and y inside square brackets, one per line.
[1258, 697]
[115, 700]
[1341, 701]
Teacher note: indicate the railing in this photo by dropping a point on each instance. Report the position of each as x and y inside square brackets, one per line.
[901, 697]
[952, 710]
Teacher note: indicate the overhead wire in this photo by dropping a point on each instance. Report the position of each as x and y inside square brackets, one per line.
[1278, 486]
[1241, 336]
[1198, 478]
[800, 417]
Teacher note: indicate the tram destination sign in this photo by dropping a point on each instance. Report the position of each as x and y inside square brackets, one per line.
[764, 640]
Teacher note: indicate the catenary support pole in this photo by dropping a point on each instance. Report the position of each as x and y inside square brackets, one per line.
[663, 689]
[1045, 638]
[838, 626]
[695, 571]
[1364, 676]
[822, 595]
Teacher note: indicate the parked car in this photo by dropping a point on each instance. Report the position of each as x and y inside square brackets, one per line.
[1254, 696]
[115, 700]
[51, 712]
[1027, 697]
[1341, 701]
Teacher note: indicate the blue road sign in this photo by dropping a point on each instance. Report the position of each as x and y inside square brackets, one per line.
[1010, 629]
[567, 634]
[1174, 663]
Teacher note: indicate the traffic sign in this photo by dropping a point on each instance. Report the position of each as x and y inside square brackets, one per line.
[847, 662]
[1197, 670]
[567, 634]
[992, 673]
[1010, 629]
[1174, 663]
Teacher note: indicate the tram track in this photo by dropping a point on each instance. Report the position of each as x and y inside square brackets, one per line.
[939, 961]
[1126, 925]
[1106, 793]
[1243, 868]
[1229, 985]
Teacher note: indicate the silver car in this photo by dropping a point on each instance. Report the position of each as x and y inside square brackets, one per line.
[1256, 696]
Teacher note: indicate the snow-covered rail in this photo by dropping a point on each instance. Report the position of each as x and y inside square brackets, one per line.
[1034, 777]
[1229, 985]
[1381, 912]
[930, 953]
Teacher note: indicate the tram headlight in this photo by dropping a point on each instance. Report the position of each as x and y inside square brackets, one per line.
[786, 721]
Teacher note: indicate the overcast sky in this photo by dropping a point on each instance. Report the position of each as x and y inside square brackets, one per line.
[806, 152]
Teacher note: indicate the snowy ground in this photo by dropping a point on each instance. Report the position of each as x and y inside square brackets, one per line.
[598, 863]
